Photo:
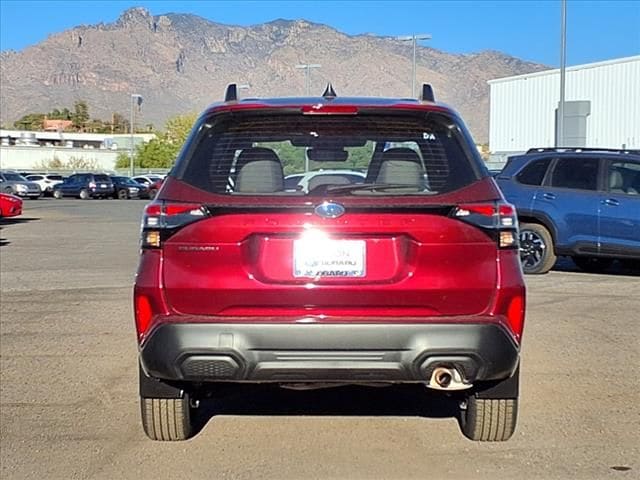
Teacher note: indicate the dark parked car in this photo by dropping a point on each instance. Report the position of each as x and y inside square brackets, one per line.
[411, 276]
[85, 186]
[583, 203]
[126, 187]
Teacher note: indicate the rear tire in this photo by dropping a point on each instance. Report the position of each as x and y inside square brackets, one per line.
[152, 194]
[537, 253]
[592, 264]
[84, 194]
[489, 419]
[123, 194]
[57, 194]
[167, 419]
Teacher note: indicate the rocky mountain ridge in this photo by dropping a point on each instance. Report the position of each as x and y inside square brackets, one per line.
[180, 63]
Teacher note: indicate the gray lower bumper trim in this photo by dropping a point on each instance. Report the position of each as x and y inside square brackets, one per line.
[327, 352]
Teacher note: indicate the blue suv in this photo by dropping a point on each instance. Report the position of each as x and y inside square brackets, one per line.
[579, 202]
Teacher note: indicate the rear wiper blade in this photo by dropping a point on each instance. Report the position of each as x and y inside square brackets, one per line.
[372, 187]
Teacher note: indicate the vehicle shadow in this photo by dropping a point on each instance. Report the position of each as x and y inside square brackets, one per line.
[17, 220]
[346, 401]
[565, 264]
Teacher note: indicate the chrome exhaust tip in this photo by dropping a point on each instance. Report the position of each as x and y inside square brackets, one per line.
[445, 378]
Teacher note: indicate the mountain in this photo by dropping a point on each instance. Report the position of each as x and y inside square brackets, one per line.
[180, 63]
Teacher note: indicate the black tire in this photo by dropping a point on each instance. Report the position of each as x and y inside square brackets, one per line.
[592, 264]
[537, 253]
[152, 193]
[84, 194]
[57, 194]
[167, 419]
[123, 194]
[8, 190]
[489, 419]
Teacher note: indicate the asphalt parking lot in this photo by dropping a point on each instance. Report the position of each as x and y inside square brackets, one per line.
[68, 385]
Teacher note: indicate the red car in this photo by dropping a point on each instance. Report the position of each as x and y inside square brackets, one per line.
[10, 205]
[412, 276]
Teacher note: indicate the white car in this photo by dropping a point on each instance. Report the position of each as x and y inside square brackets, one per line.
[46, 181]
[148, 180]
[310, 180]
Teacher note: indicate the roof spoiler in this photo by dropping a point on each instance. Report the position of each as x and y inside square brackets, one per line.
[231, 93]
[427, 93]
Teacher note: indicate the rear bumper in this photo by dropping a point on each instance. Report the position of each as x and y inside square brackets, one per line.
[327, 353]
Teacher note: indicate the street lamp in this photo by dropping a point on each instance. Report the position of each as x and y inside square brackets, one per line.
[307, 74]
[414, 39]
[563, 66]
[135, 99]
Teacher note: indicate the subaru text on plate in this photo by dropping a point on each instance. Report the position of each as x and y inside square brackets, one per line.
[411, 276]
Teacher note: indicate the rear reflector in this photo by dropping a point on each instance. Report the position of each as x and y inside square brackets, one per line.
[143, 314]
[515, 316]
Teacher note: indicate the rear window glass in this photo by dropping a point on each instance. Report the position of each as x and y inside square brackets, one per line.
[102, 178]
[248, 154]
[533, 174]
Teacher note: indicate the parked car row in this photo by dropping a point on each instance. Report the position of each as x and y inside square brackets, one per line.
[79, 185]
[101, 185]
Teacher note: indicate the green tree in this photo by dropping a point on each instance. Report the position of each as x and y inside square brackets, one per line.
[31, 121]
[80, 114]
[178, 128]
[162, 151]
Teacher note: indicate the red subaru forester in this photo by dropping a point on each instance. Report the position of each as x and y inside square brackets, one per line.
[400, 265]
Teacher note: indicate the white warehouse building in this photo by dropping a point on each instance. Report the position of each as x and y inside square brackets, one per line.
[602, 108]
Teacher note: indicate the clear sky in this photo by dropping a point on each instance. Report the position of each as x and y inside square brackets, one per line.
[596, 30]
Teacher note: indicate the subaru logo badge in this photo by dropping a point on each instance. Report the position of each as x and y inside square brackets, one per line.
[329, 210]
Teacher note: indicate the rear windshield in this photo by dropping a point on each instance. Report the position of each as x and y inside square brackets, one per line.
[365, 154]
[102, 178]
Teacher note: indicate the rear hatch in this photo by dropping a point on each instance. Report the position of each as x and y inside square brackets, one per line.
[235, 244]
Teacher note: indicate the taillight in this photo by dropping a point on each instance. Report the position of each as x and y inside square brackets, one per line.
[162, 219]
[92, 184]
[498, 218]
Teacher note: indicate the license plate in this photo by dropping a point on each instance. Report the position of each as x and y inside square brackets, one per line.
[329, 258]
[103, 185]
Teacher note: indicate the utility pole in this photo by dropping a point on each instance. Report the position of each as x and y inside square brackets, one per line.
[307, 75]
[563, 65]
[414, 39]
[135, 99]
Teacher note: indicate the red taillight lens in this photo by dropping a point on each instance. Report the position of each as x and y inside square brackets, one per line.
[515, 316]
[162, 219]
[92, 184]
[143, 315]
[499, 218]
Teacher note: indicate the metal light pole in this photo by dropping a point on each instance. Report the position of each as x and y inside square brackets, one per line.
[414, 39]
[307, 74]
[563, 65]
[135, 98]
